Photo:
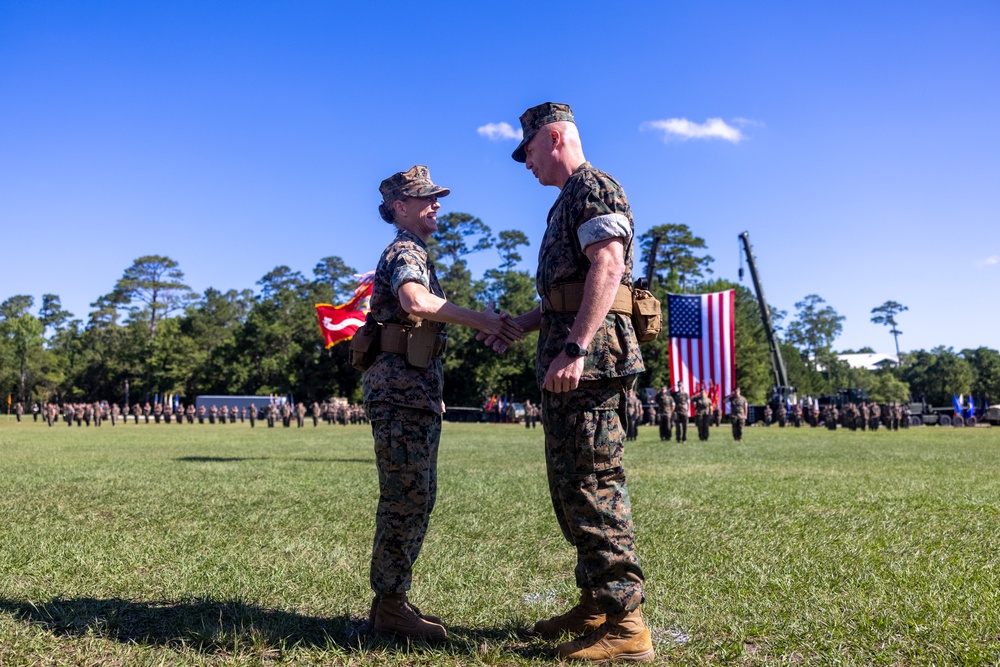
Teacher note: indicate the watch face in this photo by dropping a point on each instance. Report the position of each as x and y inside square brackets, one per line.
[574, 350]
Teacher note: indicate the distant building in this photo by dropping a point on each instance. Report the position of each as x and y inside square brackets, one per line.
[872, 362]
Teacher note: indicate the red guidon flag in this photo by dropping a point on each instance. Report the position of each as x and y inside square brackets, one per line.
[339, 323]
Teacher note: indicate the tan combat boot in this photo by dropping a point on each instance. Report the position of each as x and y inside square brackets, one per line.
[622, 637]
[394, 615]
[375, 601]
[583, 618]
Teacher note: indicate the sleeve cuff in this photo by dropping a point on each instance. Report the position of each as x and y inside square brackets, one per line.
[603, 227]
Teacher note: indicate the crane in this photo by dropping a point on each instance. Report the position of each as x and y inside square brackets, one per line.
[782, 390]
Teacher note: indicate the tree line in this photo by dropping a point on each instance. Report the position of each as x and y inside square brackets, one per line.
[153, 332]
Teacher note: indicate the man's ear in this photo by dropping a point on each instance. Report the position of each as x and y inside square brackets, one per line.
[556, 138]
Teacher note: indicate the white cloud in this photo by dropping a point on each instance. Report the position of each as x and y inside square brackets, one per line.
[499, 132]
[989, 261]
[684, 129]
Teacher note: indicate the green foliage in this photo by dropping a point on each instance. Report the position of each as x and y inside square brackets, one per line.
[882, 385]
[513, 372]
[51, 314]
[675, 263]
[334, 281]
[937, 375]
[152, 288]
[22, 353]
[886, 314]
[451, 242]
[236, 342]
[804, 376]
[985, 364]
[814, 328]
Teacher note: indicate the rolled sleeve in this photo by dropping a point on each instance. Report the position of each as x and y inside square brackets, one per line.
[604, 227]
[409, 268]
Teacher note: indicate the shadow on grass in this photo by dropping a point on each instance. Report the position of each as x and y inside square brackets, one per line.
[311, 459]
[205, 625]
[219, 459]
[235, 459]
[229, 626]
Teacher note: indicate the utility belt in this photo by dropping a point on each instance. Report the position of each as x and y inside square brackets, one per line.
[399, 338]
[568, 297]
[420, 343]
[639, 304]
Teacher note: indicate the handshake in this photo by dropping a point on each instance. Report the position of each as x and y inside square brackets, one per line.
[498, 329]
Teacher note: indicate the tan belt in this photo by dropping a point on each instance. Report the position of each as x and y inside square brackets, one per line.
[393, 339]
[568, 297]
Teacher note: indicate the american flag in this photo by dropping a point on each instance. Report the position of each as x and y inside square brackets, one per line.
[702, 342]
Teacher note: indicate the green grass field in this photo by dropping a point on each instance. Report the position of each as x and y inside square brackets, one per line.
[217, 545]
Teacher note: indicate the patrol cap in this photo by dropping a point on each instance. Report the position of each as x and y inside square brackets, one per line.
[414, 182]
[535, 118]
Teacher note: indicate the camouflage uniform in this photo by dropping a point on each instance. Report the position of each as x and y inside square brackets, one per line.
[583, 428]
[404, 405]
[633, 410]
[832, 417]
[665, 407]
[682, 413]
[702, 415]
[738, 416]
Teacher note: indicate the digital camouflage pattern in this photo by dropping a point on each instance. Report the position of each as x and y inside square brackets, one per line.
[702, 405]
[665, 408]
[584, 440]
[537, 117]
[738, 415]
[614, 351]
[702, 414]
[664, 402]
[682, 411]
[584, 428]
[414, 182]
[403, 404]
[406, 453]
[390, 379]
[738, 407]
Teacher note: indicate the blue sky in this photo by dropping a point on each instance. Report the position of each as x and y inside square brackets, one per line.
[857, 142]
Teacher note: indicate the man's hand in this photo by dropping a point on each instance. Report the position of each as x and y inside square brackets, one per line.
[500, 329]
[563, 374]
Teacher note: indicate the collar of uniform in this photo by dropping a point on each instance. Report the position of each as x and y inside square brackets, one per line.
[583, 167]
[410, 236]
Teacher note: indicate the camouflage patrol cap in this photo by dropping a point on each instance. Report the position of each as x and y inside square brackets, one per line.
[414, 182]
[535, 118]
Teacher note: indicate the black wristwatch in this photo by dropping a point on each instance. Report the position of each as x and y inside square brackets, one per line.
[574, 350]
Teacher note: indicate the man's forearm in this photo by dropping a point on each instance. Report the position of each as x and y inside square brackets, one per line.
[599, 291]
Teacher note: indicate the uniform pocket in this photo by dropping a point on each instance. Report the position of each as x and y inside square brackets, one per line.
[390, 446]
[599, 439]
